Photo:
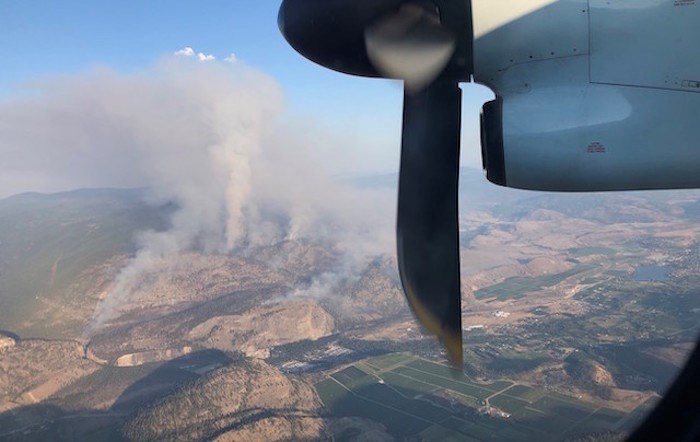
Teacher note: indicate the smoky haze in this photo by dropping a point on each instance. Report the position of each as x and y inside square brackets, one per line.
[206, 137]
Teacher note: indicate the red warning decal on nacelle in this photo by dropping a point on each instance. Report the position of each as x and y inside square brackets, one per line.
[596, 147]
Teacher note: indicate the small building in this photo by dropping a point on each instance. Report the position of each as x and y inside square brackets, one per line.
[474, 327]
[6, 342]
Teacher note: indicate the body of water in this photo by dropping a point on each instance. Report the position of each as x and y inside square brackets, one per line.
[651, 273]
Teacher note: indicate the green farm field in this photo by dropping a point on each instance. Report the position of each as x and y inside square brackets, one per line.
[416, 398]
[518, 286]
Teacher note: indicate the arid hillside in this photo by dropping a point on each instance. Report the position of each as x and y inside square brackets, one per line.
[232, 346]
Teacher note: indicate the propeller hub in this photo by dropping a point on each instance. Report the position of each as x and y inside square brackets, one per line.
[407, 39]
[410, 44]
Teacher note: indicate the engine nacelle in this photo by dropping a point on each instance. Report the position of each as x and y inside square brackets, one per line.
[589, 99]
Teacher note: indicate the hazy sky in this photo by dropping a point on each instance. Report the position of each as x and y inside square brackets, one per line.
[46, 39]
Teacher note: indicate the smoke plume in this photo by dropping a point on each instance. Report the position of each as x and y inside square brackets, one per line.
[206, 137]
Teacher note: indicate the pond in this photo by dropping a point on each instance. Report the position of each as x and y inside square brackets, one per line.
[651, 273]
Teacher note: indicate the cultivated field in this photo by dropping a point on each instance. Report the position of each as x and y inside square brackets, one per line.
[518, 286]
[414, 397]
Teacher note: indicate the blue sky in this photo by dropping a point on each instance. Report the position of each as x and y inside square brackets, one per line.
[41, 38]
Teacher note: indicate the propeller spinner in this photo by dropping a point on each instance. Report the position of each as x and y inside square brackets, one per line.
[428, 45]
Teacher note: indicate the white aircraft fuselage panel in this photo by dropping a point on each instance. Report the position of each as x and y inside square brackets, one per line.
[512, 32]
[649, 43]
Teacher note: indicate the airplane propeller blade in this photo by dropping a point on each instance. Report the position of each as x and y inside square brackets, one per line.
[427, 230]
[428, 45]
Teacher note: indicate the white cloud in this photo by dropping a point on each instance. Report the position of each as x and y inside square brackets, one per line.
[207, 57]
[231, 58]
[185, 52]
